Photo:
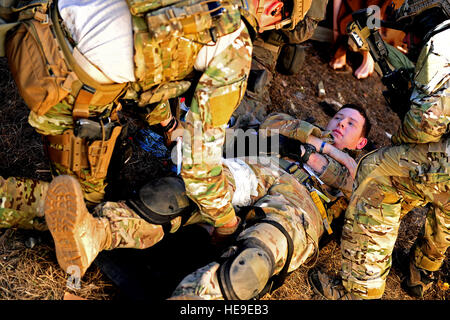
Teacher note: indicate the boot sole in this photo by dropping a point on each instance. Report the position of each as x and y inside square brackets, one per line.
[64, 211]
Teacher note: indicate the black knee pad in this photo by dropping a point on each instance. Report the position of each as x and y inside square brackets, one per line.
[245, 273]
[161, 200]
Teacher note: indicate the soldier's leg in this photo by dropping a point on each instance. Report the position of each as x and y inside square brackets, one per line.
[22, 203]
[218, 93]
[431, 248]
[262, 249]
[385, 186]
[79, 236]
[428, 252]
[368, 237]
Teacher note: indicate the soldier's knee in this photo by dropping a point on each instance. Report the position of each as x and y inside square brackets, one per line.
[246, 271]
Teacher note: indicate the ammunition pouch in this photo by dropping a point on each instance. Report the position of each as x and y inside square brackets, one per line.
[78, 154]
[169, 35]
[161, 200]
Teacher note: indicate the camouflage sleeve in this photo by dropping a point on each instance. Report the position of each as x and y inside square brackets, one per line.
[429, 116]
[218, 93]
[398, 59]
[290, 127]
[337, 176]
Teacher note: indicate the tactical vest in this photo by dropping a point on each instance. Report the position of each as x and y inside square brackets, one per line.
[168, 35]
[331, 204]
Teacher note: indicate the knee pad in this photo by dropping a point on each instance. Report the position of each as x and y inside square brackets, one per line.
[161, 200]
[245, 273]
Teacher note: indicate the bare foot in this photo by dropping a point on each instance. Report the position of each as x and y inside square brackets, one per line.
[366, 68]
[339, 59]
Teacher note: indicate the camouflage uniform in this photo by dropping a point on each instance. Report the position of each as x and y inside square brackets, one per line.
[266, 50]
[393, 180]
[284, 200]
[129, 230]
[160, 69]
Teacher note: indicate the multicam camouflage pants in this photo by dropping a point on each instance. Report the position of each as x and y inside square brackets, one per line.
[283, 200]
[22, 203]
[390, 182]
[217, 95]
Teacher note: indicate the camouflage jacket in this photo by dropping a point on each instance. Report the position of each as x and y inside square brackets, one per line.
[335, 175]
[429, 116]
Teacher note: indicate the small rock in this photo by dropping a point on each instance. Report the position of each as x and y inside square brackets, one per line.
[340, 98]
[321, 89]
[31, 242]
[292, 106]
[299, 95]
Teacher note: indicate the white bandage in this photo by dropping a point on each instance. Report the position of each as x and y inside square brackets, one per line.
[245, 180]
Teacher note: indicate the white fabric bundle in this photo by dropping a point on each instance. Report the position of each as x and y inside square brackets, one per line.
[245, 179]
[103, 32]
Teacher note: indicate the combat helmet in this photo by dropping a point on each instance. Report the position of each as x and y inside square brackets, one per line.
[292, 12]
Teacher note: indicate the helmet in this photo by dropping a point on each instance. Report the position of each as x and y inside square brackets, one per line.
[412, 8]
[265, 15]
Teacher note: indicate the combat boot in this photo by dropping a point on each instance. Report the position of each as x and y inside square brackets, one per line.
[329, 288]
[78, 236]
[418, 281]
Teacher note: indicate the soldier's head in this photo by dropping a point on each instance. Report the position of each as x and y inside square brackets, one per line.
[417, 18]
[350, 127]
[265, 15]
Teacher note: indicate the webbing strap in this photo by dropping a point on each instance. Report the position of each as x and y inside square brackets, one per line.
[82, 102]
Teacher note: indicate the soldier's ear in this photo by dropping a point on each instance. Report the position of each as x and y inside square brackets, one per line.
[361, 143]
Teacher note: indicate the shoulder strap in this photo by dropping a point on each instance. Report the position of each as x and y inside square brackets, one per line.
[84, 89]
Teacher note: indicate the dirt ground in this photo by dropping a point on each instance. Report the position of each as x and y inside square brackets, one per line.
[28, 267]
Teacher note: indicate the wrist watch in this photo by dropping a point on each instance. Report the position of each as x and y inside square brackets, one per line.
[309, 149]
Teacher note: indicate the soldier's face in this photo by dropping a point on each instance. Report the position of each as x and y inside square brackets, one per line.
[346, 127]
[271, 13]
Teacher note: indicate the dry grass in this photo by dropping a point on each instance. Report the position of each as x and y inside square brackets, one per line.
[33, 273]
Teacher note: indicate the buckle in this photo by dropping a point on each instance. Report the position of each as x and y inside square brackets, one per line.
[41, 17]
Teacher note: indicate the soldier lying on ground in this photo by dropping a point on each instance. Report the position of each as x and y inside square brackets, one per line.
[286, 193]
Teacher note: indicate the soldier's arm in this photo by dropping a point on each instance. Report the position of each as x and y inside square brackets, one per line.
[332, 172]
[429, 115]
[292, 128]
[338, 155]
[428, 118]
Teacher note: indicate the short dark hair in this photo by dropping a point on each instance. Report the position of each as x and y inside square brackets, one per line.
[367, 125]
